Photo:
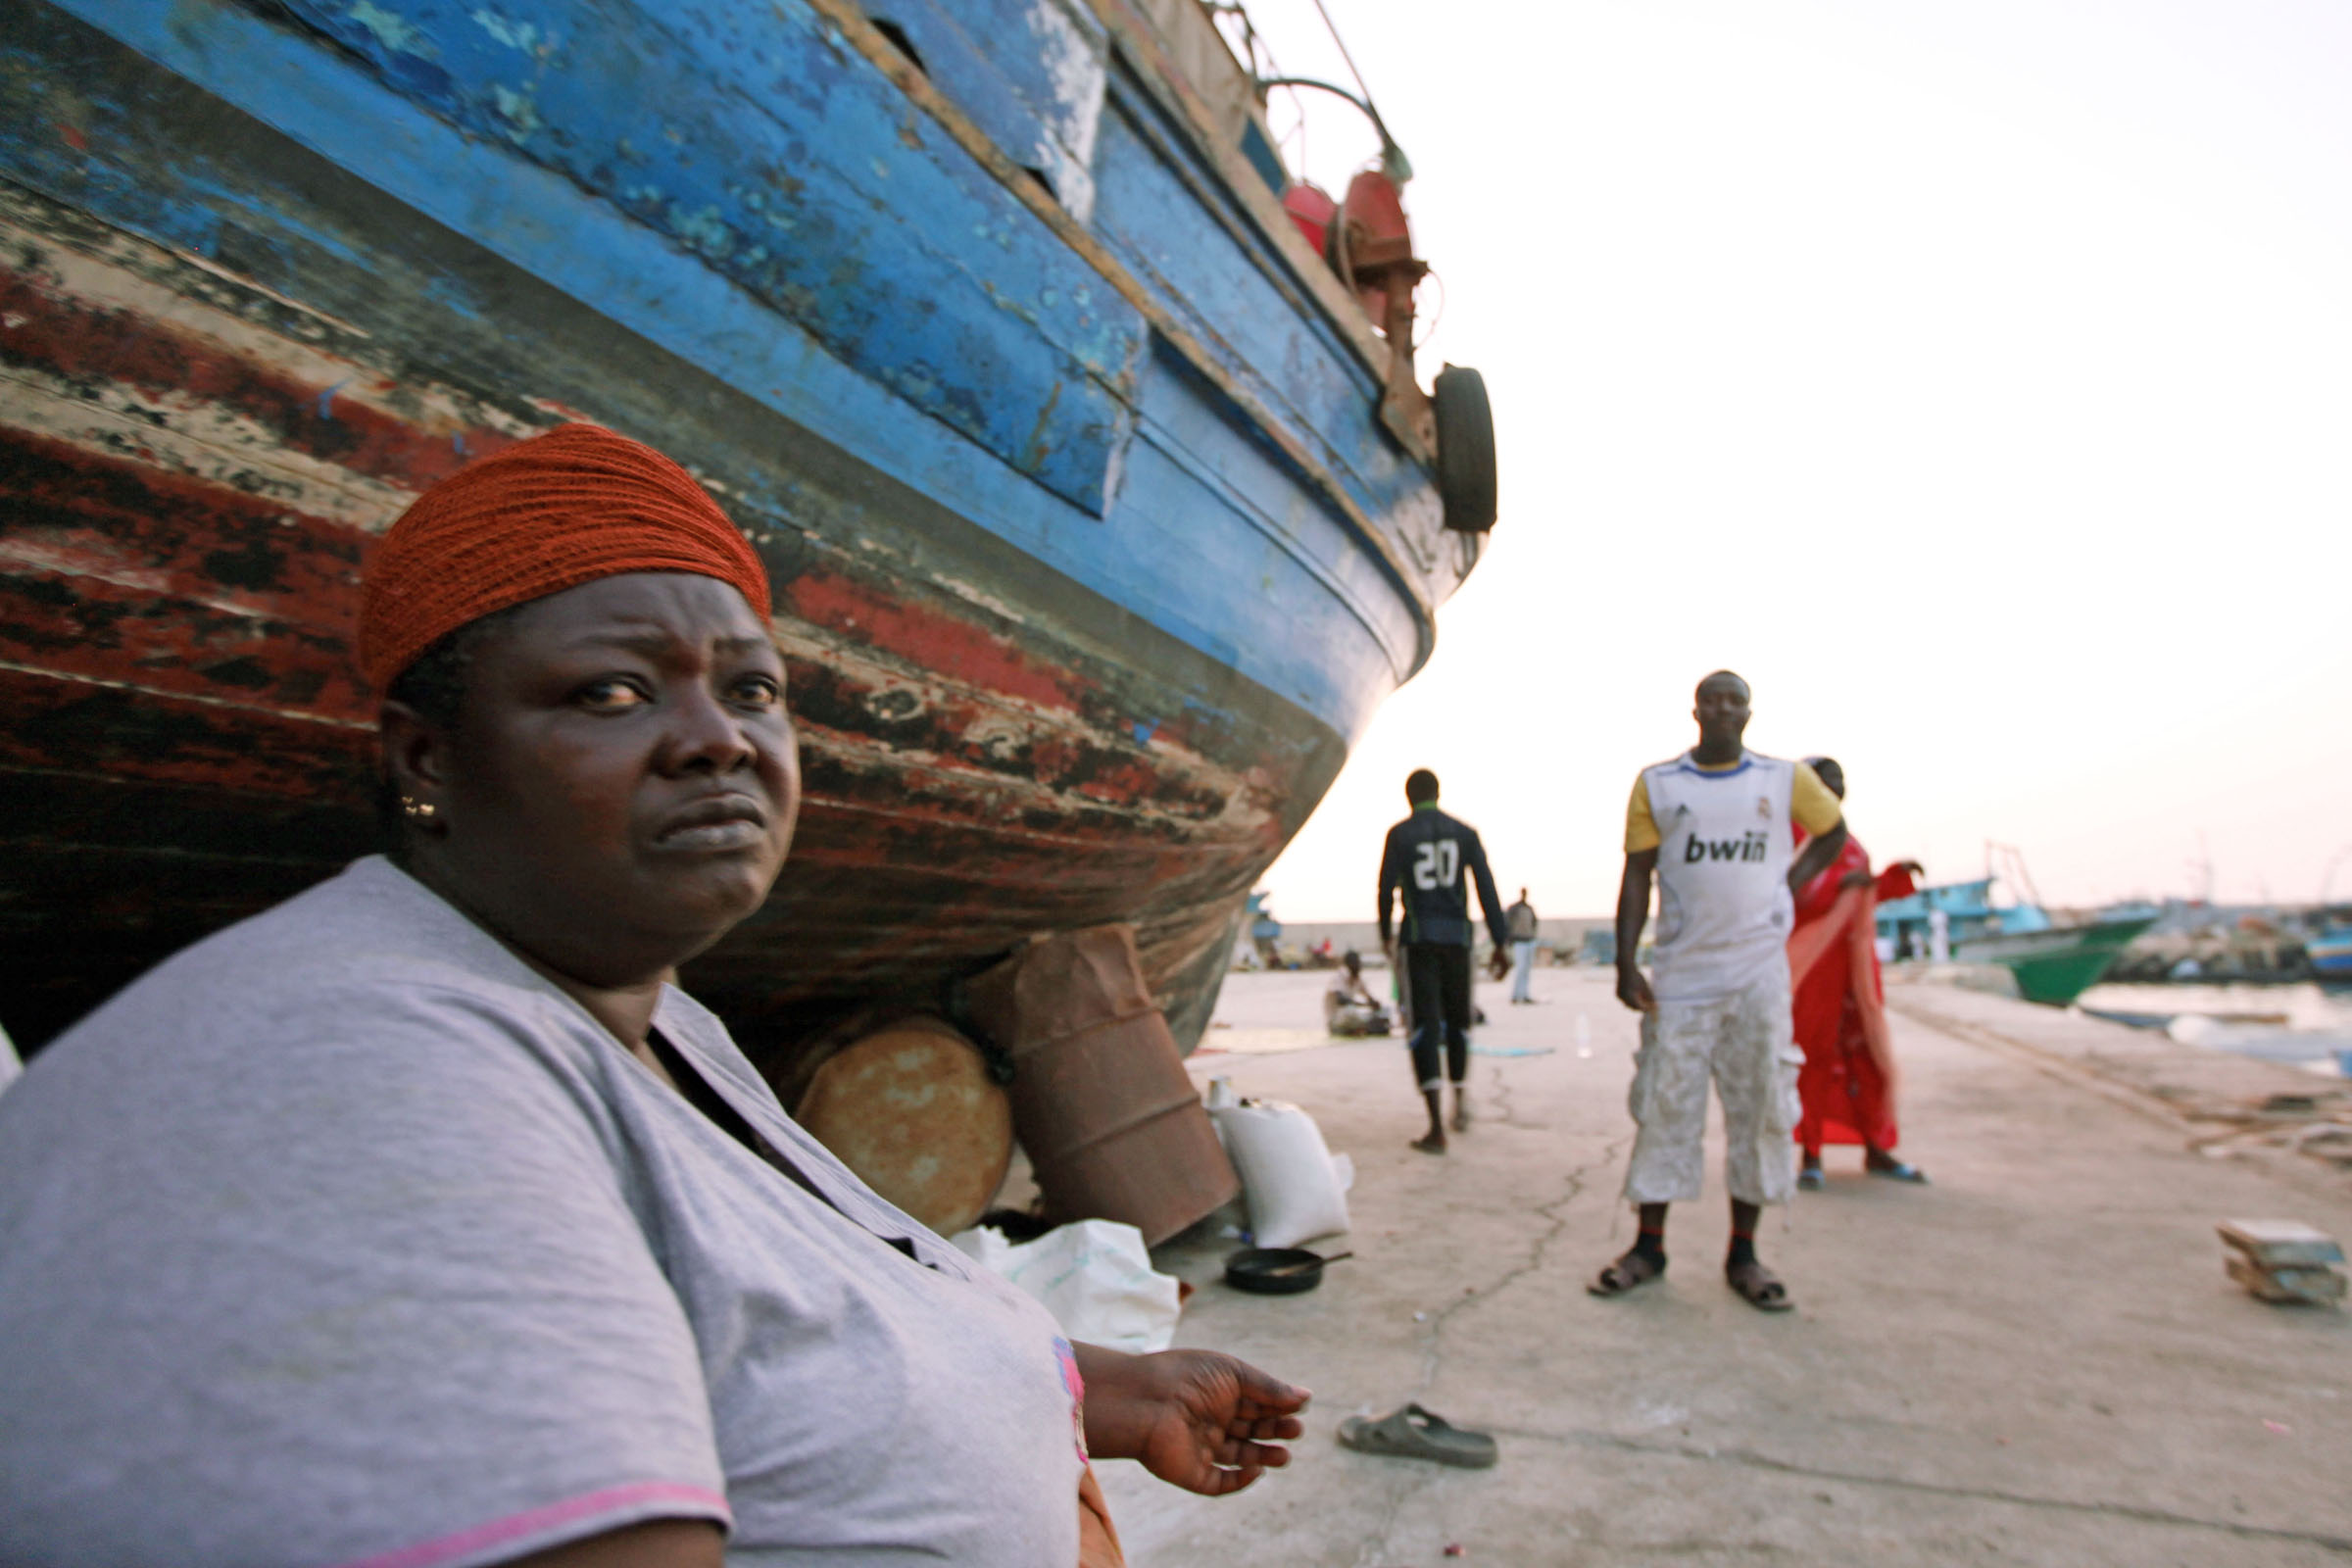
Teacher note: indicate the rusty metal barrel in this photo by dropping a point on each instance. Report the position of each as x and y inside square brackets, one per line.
[1100, 1101]
[908, 1104]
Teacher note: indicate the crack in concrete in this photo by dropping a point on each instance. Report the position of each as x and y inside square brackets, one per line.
[1749, 1459]
[1375, 1546]
[1553, 1209]
[1502, 1092]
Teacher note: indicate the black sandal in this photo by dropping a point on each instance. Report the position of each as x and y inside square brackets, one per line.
[1634, 1268]
[1758, 1286]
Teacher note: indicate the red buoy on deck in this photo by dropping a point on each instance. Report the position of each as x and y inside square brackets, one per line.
[1311, 208]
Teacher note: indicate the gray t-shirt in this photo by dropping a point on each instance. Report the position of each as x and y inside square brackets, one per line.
[343, 1238]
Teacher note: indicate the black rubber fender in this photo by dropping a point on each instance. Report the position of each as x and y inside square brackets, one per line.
[1465, 449]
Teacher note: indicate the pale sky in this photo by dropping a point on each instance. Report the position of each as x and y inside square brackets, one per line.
[1976, 379]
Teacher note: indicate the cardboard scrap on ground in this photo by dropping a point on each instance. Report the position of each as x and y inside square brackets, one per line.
[2282, 1241]
[2283, 1261]
[2321, 1286]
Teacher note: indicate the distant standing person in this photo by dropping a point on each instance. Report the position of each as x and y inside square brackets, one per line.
[1847, 1084]
[1712, 826]
[1428, 861]
[1521, 919]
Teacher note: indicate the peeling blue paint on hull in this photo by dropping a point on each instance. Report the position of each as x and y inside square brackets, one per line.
[1086, 588]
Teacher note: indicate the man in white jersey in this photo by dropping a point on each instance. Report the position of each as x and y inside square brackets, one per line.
[1712, 826]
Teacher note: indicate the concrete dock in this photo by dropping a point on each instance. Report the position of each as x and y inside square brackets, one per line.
[2037, 1359]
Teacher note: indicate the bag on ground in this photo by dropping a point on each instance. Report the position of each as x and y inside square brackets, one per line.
[1093, 1275]
[1294, 1187]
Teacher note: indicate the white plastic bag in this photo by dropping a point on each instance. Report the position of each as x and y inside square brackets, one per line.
[1093, 1275]
[1293, 1184]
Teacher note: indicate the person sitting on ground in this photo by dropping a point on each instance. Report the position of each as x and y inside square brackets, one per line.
[1349, 1007]
[1712, 826]
[421, 1220]
[1848, 1080]
[1428, 861]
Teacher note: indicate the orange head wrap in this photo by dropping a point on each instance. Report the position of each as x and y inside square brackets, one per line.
[559, 510]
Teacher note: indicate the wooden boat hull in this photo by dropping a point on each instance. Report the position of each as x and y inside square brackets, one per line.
[1082, 603]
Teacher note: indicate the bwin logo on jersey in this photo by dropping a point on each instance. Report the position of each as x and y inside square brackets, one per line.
[1746, 847]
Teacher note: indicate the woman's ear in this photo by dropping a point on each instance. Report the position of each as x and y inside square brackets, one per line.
[416, 761]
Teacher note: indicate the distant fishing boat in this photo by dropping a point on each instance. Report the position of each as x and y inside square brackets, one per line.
[1263, 949]
[2331, 954]
[2056, 964]
[2053, 961]
[1085, 447]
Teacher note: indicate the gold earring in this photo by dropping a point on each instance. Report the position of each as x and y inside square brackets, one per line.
[417, 811]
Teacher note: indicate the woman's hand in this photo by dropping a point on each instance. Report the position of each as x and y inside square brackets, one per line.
[1197, 1420]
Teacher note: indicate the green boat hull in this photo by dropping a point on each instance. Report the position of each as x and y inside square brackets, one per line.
[2057, 965]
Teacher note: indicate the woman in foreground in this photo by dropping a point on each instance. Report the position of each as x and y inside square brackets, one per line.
[419, 1222]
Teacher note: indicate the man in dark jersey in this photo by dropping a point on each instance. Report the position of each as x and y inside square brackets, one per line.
[1430, 861]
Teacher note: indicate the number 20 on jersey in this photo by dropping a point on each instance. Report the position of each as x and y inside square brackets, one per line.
[1438, 865]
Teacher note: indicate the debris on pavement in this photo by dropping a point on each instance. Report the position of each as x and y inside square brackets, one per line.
[2317, 1124]
[2283, 1261]
[1093, 1275]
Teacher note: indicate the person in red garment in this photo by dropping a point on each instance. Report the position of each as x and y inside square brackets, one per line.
[1848, 1080]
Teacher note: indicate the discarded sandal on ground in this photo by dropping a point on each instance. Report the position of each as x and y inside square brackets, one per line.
[1412, 1433]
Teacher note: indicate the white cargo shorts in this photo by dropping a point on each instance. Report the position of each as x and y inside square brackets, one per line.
[1744, 1043]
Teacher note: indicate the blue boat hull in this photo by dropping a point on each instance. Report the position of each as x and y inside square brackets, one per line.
[1092, 552]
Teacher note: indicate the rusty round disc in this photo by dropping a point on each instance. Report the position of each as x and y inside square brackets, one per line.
[910, 1107]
